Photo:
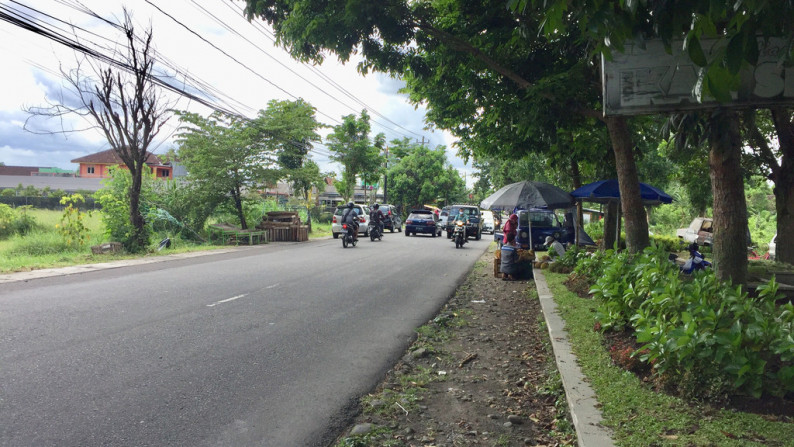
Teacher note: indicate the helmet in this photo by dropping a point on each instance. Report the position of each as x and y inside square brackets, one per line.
[376, 206]
[350, 204]
[549, 239]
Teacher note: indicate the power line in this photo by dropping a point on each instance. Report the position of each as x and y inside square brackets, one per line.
[262, 30]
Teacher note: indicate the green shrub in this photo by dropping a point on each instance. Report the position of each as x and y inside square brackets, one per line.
[114, 198]
[16, 221]
[72, 228]
[668, 243]
[7, 218]
[705, 336]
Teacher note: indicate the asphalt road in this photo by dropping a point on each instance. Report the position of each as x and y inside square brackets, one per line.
[265, 346]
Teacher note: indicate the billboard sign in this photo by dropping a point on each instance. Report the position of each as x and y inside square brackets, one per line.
[648, 80]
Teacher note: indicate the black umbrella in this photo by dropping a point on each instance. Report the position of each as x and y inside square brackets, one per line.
[528, 194]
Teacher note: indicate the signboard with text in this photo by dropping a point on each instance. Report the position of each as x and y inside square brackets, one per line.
[649, 80]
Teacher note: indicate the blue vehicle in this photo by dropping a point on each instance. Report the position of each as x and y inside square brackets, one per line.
[420, 221]
[542, 223]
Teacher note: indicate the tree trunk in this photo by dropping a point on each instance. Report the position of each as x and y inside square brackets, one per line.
[610, 222]
[576, 177]
[138, 239]
[238, 204]
[730, 206]
[784, 187]
[633, 212]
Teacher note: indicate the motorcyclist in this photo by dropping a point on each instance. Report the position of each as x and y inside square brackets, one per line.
[376, 217]
[350, 217]
[462, 216]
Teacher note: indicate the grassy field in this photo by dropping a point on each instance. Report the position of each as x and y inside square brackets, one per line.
[44, 247]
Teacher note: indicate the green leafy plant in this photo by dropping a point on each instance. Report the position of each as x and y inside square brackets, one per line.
[72, 228]
[114, 198]
[703, 335]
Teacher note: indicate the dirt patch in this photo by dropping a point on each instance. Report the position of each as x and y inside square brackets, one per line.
[481, 373]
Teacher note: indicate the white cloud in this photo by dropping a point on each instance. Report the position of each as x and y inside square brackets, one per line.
[264, 72]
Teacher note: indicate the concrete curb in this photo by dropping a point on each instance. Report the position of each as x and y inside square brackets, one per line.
[581, 398]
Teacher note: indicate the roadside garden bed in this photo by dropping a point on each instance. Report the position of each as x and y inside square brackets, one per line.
[692, 399]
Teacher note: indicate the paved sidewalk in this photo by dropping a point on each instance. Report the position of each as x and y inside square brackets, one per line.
[581, 398]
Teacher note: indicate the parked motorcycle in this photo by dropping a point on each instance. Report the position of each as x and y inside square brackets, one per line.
[459, 233]
[348, 238]
[375, 231]
[696, 260]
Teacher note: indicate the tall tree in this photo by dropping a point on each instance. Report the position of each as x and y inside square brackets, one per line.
[352, 147]
[423, 177]
[777, 163]
[480, 68]
[226, 155]
[125, 104]
[290, 128]
[736, 25]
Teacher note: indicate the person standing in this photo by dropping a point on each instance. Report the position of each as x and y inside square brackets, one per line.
[510, 227]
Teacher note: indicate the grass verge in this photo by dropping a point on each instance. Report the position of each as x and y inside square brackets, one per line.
[640, 416]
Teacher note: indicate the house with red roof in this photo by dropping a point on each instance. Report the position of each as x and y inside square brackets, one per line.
[98, 165]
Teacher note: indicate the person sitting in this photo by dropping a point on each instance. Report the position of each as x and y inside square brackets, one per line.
[376, 217]
[556, 246]
[509, 265]
[350, 217]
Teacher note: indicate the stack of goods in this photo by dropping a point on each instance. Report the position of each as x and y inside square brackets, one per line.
[526, 255]
[284, 226]
[497, 260]
[543, 262]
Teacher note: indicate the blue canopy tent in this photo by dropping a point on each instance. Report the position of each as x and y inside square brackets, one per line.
[605, 191]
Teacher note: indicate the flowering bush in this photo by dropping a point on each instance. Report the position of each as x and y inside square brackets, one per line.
[72, 229]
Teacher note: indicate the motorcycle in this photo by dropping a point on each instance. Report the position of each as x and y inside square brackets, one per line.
[696, 260]
[348, 238]
[375, 231]
[459, 233]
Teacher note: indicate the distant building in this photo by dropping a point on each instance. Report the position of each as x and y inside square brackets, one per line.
[98, 165]
[330, 198]
[19, 170]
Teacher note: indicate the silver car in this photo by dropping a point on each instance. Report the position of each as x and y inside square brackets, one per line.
[442, 220]
[363, 218]
[487, 222]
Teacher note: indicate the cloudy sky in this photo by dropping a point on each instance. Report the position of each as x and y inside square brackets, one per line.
[207, 43]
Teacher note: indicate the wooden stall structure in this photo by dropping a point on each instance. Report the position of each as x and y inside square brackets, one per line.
[284, 226]
[227, 234]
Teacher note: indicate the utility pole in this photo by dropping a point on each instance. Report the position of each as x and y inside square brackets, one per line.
[386, 176]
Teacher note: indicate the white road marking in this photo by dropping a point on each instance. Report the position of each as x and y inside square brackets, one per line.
[226, 300]
[270, 287]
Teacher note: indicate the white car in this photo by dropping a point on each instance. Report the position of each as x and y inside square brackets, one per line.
[772, 246]
[487, 222]
[442, 220]
[363, 217]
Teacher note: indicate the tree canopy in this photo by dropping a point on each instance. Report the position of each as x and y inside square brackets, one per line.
[424, 176]
[351, 146]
